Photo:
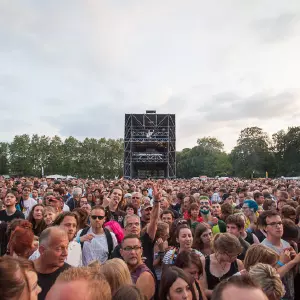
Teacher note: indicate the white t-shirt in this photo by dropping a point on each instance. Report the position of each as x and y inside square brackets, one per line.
[66, 207]
[28, 205]
[97, 248]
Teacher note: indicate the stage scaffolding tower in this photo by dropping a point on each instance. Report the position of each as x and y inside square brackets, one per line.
[150, 145]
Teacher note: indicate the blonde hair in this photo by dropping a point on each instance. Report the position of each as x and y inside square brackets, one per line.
[98, 287]
[268, 279]
[258, 253]
[228, 242]
[116, 273]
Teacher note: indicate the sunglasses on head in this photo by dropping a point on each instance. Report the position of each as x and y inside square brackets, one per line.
[98, 217]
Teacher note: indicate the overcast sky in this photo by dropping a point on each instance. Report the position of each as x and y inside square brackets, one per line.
[76, 67]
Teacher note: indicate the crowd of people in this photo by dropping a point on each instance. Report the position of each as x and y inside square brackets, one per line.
[149, 239]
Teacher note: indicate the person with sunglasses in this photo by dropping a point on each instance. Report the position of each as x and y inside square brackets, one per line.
[97, 242]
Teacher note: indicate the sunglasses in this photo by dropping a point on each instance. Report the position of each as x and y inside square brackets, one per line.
[98, 217]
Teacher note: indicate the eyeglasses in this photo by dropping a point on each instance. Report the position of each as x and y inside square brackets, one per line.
[26, 190]
[98, 217]
[135, 248]
[135, 197]
[274, 224]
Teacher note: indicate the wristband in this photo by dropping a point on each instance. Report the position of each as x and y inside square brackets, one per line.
[279, 263]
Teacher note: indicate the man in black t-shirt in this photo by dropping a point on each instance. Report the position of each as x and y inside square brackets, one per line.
[53, 248]
[10, 211]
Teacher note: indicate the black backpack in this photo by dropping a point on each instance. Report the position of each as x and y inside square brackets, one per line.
[108, 238]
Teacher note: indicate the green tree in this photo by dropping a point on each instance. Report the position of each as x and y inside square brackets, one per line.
[286, 147]
[207, 158]
[20, 160]
[252, 156]
[56, 158]
[71, 156]
[4, 162]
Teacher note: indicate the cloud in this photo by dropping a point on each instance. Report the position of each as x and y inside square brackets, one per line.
[77, 69]
[230, 106]
[277, 28]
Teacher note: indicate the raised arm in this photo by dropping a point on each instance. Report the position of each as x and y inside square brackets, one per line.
[152, 227]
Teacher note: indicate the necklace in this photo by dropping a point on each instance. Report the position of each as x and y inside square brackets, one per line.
[222, 267]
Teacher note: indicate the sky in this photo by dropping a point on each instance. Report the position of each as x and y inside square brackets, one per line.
[76, 67]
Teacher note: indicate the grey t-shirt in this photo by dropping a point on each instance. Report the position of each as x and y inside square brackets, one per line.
[288, 278]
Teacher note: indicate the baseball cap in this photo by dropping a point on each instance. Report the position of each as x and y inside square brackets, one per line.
[146, 206]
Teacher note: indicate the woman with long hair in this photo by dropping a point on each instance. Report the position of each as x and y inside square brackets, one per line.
[202, 239]
[176, 284]
[116, 273]
[83, 217]
[36, 218]
[190, 263]
[184, 239]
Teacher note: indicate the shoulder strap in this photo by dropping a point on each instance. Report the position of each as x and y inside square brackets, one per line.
[207, 265]
[110, 244]
[84, 231]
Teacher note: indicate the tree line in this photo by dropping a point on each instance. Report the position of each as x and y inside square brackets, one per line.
[254, 154]
[92, 158]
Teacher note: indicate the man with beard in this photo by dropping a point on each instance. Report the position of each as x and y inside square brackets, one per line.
[216, 224]
[112, 211]
[141, 275]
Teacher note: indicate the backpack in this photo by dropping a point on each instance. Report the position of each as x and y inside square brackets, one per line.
[108, 236]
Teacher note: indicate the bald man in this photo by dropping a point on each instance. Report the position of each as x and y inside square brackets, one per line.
[53, 248]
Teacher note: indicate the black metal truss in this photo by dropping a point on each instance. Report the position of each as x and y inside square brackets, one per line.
[145, 132]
